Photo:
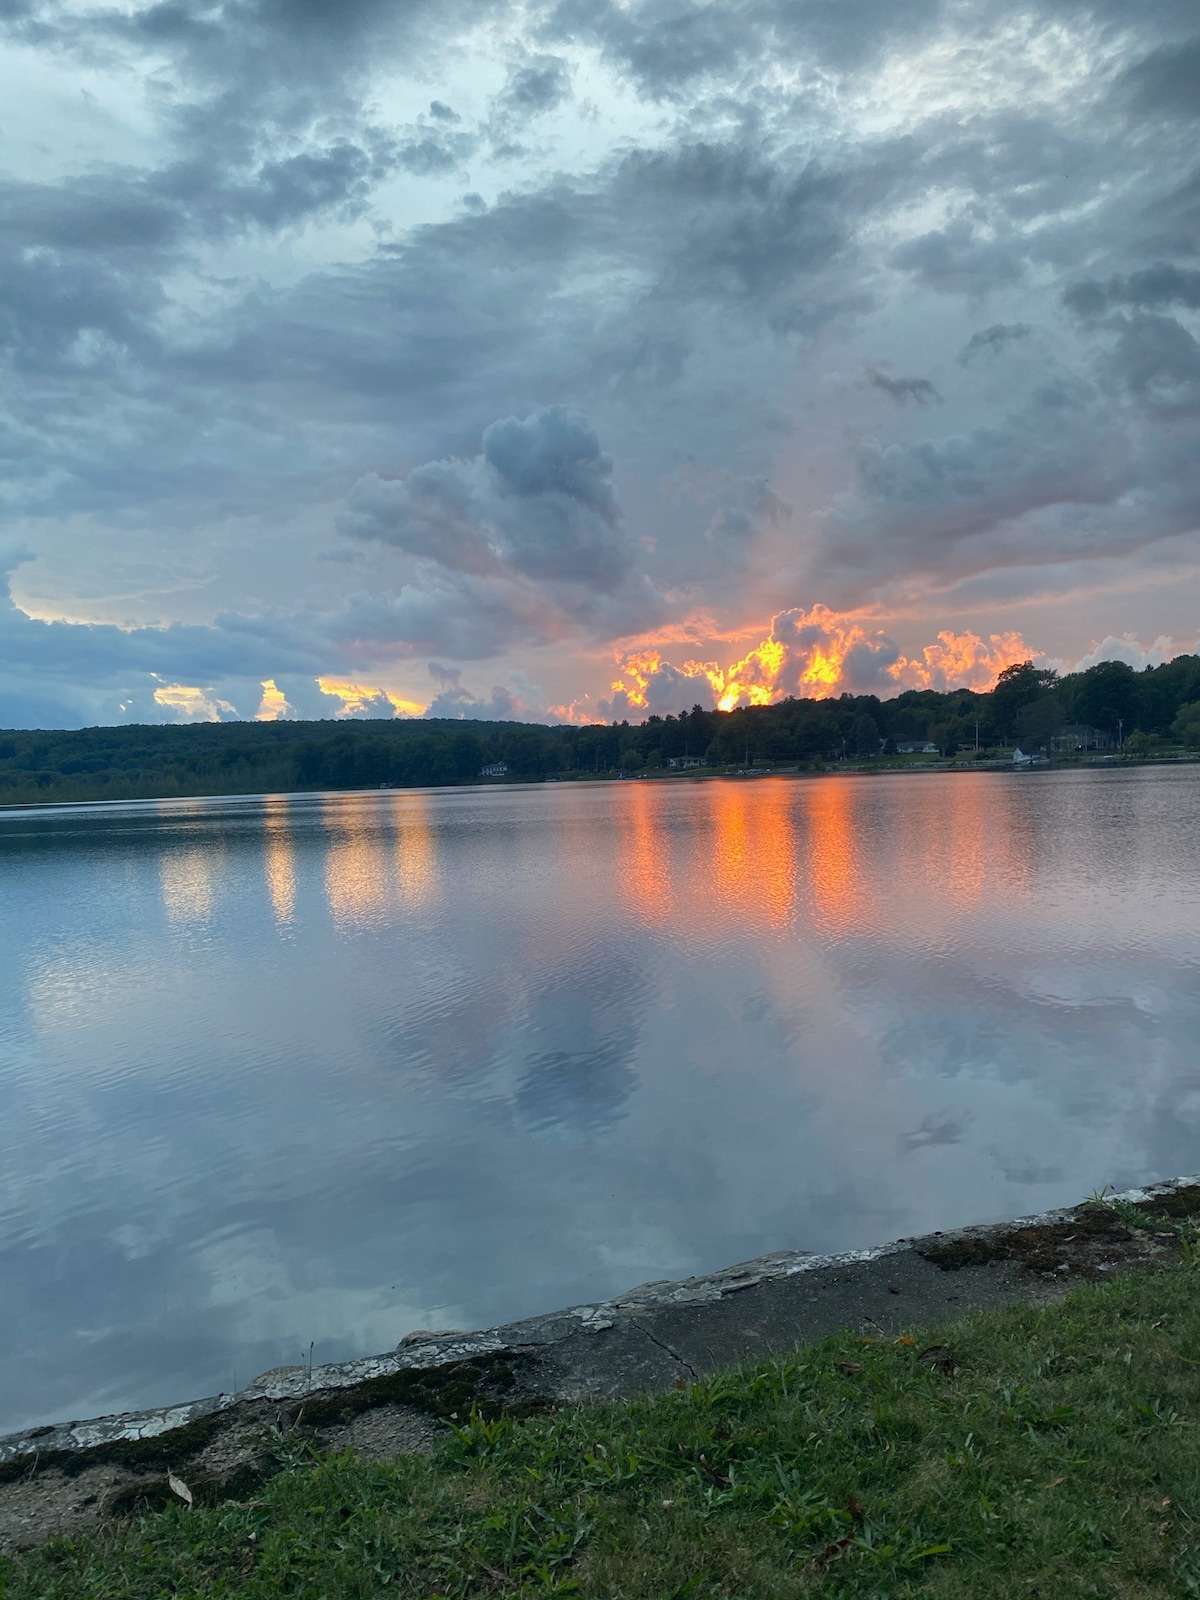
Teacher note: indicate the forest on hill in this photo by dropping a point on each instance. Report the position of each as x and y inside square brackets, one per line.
[1147, 710]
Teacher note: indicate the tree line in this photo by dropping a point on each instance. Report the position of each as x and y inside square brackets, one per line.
[1148, 709]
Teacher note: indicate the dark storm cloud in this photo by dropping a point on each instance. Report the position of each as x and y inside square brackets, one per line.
[432, 336]
[902, 390]
[535, 87]
[500, 705]
[994, 339]
[959, 260]
[553, 452]
[1164, 284]
[1165, 83]
[930, 497]
[515, 545]
[1158, 360]
[538, 502]
[666, 46]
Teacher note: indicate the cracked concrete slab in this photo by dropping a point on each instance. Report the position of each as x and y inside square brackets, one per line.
[60, 1477]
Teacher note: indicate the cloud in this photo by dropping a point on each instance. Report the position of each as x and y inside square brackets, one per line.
[903, 390]
[1158, 361]
[538, 502]
[813, 653]
[1017, 490]
[62, 674]
[500, 706]
[960, 259]
[291, 261]
[448, 677]
[523, 543]
[1164, 83]
[534, 87]
[1156, 287]
[650, 686]
[1128, 648]
[186, 703]
[673, 50]
[995, 339]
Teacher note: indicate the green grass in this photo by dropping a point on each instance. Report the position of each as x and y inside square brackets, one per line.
[1049, 1452]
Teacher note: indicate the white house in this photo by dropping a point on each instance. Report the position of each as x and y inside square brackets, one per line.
[685, 762]
[494, 769]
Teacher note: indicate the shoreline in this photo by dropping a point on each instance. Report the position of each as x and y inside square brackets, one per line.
[652, 1338]
[991, 764]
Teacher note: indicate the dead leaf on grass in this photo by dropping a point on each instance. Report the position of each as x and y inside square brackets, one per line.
[177, 1486]
[719, 1478]
[834, 1549]
[849, 1366]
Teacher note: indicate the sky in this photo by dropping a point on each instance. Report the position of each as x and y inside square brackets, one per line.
[578, 359]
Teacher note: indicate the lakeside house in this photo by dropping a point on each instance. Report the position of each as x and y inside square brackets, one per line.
[683, 763]
[494, 769]
[1079, 736]
[916, 747]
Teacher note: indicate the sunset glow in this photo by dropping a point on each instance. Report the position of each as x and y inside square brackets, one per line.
[820, 654]
[273, 705]
[445, 397]
[359, 697]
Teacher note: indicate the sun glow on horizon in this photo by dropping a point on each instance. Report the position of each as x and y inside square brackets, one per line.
[819, 654]
[359, 697]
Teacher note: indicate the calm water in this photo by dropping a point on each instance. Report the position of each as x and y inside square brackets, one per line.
[332, 1068]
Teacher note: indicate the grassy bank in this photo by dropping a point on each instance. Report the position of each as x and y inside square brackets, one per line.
[1024, 1453]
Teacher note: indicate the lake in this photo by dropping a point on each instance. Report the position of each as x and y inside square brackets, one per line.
[324, 1069]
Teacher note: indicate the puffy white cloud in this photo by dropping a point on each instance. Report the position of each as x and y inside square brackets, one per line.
[1129, 648]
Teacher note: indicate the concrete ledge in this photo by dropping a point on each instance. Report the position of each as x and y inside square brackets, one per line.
[650, 1338]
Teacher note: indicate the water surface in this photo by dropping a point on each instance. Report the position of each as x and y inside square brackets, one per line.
[329, 1068]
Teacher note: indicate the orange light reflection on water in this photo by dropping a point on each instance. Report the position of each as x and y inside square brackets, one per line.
[753, 871]
[279, 860]
[836, 874]
[645, 852]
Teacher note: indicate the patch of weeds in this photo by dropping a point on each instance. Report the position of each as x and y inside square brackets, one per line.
[139, 1455]
[1178, 1203]
[1036, 1248]
[493, 1385]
